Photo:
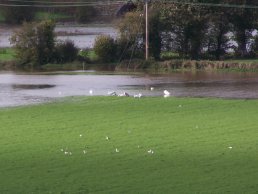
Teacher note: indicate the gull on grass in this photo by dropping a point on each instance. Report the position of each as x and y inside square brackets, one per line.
[91, 92]
[166, 93]
[112, 93]
[125, 94]
[84, 152]
[230, 147]
[137, 95]
[117, 150]
[107, 138]
[150, 151]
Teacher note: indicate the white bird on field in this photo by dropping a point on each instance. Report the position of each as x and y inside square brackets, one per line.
[166, 92]
[137, 95]
[152, 88]
[84, 151]
[117, 150]
[66, 152]
[230, 147]
[70, 153]
[124, 94]
[151, 151]
[107, 138]
[91, 92]
[112, 93]
[62, 150]
[80, 135]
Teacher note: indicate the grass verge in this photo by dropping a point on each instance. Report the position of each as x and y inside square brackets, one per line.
[2, 18]
[190, 139]
[52, 16]
[7, 54]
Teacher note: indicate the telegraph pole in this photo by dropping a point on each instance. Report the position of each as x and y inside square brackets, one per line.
[147, 31]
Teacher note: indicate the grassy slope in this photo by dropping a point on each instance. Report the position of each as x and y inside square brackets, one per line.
[2, 19]
[40, 15]
[190, 143]
[7, 54]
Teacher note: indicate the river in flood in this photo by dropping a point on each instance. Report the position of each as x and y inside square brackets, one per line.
[24, 89]
[82, 36]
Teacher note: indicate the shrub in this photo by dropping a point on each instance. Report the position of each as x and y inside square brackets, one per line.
[65, 52]
[105, 48]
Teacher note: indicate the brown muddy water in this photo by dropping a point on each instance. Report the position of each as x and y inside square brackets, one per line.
[24, 89]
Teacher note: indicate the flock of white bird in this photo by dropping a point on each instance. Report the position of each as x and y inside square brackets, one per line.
[66, 151]
[125, 94]
[166, 93]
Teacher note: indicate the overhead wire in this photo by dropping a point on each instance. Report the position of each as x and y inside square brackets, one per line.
[38, 3]
[63, 2]
[240, 6]
[45, 4]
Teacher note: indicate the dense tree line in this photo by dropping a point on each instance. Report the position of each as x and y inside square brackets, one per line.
[35, 45]
[197, 29]
[16, 12]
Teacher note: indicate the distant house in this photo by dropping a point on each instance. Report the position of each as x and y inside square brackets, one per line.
[129, 6]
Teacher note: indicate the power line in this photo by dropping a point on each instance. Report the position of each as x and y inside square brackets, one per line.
[39, 4]
[243, 6]
[42, 4]
[61, 2]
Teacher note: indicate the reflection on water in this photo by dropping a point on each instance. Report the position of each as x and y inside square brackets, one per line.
[29, 89]
[30, 86]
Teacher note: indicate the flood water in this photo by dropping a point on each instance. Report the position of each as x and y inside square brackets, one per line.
[82, 36]
[17, 89]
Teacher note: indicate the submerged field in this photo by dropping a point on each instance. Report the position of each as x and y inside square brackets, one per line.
[199, 146]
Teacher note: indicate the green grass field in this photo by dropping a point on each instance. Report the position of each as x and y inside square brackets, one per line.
[40, 15]
[190, 139]
[7, 54]
[2, 18]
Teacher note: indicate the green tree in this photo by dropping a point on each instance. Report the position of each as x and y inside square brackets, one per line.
[131, 35]
[186, 25]
[244, 21]
[65, 52]
[34, 43]
[217, 40]
[155, 32]
[18, 11]
[85, 13]
[132, 31]
[105, 48]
